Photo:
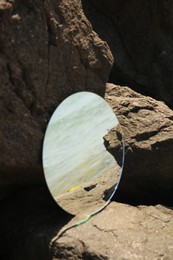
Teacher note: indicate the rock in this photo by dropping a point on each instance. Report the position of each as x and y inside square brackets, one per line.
[30, 222]
[120, 232]
[147, 127]
[47, 52]
[140, 37]
[91, 195]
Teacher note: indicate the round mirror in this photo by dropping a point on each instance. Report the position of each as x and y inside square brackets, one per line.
[82, 167]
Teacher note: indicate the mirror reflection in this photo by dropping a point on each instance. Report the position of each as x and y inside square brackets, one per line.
[80, 172]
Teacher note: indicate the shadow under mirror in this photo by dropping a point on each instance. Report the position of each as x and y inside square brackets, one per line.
[80, 170]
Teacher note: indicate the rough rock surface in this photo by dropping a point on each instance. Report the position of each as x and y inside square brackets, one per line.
[30, 221]
[120, 232]
[48, 50]
[140, 35]
[147, 126]
[90, 196]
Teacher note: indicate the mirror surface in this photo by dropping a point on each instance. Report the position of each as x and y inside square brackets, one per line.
[80, 173]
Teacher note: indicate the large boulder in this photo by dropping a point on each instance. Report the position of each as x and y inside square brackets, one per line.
[48, 50]
[147, 127]
[120, 232]
[31, 223]
[140, 36]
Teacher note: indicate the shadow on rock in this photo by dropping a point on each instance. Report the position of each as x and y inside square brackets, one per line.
[147, 127]
[28, 222]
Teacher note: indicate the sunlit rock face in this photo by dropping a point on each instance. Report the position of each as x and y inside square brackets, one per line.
[120, 231]
[147, 127]
[48, 51]
[30, 222]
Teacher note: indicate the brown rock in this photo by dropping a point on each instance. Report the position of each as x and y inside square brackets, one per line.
[30, 221]
[120, 232]
[89, 196]
[139, 34]
[48, 50]
[147, 127]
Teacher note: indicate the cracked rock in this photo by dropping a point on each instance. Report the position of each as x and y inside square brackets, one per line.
[147, 127]
[31, 222]
[120, 232]
[48, 50]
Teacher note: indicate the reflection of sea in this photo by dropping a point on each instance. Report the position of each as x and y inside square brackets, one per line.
[73, 147]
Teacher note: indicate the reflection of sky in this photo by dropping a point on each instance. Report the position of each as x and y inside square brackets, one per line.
[75, 133]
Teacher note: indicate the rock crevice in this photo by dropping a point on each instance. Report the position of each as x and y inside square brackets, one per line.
[140, 37]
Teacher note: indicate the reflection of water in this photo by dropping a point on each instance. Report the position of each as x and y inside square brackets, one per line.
[73, 146]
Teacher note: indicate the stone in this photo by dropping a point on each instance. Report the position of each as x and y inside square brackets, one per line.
[28, 221]
[47, 52]
[31, 227]
[147, 127]
[119, 232]
[140, 37]
[84, 200]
